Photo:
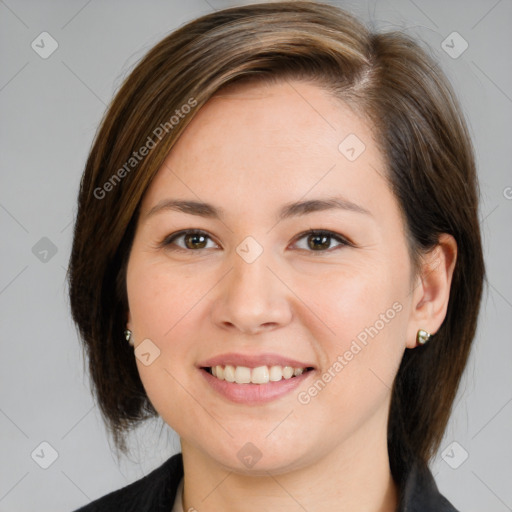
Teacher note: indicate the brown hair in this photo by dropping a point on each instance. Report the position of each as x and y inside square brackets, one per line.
[420, 129]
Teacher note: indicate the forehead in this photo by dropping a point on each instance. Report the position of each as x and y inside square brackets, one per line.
[275, 142]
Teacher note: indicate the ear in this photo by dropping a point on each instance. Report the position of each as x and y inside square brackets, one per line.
[129, 321]
[431, 290]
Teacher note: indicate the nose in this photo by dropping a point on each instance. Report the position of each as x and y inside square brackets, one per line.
[252, 297]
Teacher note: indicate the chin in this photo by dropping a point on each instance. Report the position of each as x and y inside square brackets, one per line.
[251, 460]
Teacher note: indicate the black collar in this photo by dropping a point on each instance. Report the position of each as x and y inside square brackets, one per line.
[420, 493]
[156, 491]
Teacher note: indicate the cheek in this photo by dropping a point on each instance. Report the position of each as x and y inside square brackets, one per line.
[349, 298]
[165, 302]
[160, 297]
[162, 310]
[359, 325]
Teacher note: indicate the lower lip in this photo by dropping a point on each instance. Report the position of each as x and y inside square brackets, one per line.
[254, 393]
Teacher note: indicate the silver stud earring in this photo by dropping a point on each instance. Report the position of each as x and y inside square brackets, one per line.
[128, 336]
[423, 336]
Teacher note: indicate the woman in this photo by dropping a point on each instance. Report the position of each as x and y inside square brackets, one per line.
[277, 250]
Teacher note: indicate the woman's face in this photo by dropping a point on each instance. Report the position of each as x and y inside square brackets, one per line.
[253, 290]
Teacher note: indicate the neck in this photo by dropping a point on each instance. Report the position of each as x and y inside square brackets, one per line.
[355, 477]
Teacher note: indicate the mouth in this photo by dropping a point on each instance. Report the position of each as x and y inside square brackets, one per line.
[258, 375]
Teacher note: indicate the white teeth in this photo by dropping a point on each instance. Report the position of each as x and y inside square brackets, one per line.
[242, 375]
[287, 372]
[259, 375]
[229, 373]
[276, 373]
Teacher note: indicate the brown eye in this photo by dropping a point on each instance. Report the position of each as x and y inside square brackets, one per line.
[192, 240]
[320, 241]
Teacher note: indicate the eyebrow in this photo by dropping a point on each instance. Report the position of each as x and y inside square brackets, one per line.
[287, 211]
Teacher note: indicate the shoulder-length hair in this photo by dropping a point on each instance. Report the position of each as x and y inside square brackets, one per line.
[389, 80]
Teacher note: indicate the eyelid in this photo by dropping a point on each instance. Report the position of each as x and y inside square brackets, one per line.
[342, 240]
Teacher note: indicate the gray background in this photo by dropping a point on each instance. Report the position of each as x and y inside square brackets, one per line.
[49, 111]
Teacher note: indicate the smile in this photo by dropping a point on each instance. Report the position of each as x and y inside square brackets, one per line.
[258, 375]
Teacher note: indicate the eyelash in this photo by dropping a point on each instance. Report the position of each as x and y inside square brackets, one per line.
[169, 240]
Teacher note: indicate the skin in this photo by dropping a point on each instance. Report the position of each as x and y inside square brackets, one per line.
[250, 150]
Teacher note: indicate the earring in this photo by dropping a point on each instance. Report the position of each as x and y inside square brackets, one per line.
[423, 336]
[128, 336]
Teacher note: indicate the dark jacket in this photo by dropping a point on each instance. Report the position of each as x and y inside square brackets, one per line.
[156, 492]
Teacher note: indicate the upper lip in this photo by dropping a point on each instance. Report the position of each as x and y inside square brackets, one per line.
[253, 361]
